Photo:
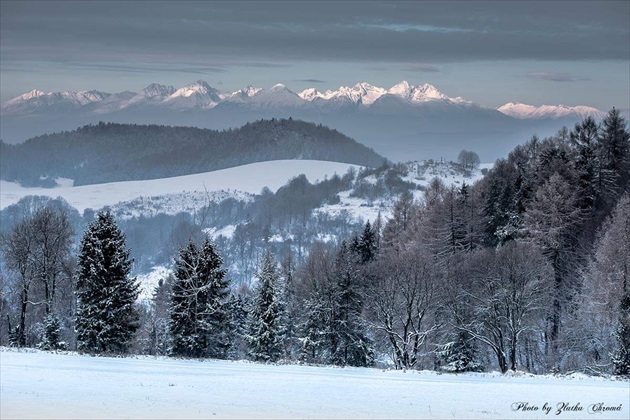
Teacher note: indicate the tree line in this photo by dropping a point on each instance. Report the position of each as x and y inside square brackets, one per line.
[526, 269]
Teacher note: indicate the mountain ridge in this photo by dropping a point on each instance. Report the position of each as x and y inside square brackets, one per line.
[200, 95]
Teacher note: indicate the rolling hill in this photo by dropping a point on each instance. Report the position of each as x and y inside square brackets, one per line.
[123, 152]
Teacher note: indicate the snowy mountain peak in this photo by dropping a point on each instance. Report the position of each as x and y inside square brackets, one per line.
[310, 94]
[361, 93]
[241, 95]
[88, 96]
[419, 93]
[278, 86]
[250, 91]
[402, 88]
[524, 111]
[197, 95]
[156, 89]
[32, 94]
[198, 87]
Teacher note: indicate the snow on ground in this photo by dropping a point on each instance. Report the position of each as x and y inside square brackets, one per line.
[357, 208]
[188, 202]
[246, 178]
[226, 231]
[420, 174]
[36, 384]
[149, 281]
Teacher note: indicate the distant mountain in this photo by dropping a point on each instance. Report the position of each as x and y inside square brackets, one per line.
[403, 122]
[524, 112]
[151, 95]
[198, 95]
[37, 101]
[122, 152]
[201, 96]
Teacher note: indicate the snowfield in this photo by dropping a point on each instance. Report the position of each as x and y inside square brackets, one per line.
[35, 384]
[246, 178]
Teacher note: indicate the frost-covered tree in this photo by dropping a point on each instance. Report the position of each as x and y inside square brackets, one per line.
[199, 317]
[396, 227]
[468, 159]
[550, 220]
[509, 294]
[37, 251]
[401, 300]
[158, 336]
[314, 286]
[51, 334]
[106, 319]
[606, 281]
[621, 355]
[615, 145]
[266, 334]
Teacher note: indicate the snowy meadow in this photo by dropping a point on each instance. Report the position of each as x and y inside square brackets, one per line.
[37, 384]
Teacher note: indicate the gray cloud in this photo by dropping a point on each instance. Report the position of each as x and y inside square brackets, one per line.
[256, 34]
[421, 68]
[145, 69]
[555, 77]
[310, 80]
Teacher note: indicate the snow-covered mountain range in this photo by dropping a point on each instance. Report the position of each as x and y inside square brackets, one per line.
[524, 112]
[201, 96]
[404, 121]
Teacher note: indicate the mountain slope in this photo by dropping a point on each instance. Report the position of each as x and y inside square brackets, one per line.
[122, 152]
[191, 191]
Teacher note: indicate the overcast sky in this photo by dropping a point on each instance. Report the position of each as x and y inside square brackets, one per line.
[575, 53]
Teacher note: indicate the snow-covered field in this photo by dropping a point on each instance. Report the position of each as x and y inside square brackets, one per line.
[359, 208]
[246, 178]
[36, 384]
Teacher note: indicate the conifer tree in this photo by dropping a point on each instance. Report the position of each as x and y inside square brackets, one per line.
[200, 321]
[51, 334]
[349, 342]
[265, 330]
[459, 355]
[367, 244]
[106, 318]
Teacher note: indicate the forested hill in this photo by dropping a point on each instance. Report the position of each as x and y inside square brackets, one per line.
[108, 152]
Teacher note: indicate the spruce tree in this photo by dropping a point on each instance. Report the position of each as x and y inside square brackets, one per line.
[106, 318]
[367, 244]
[199, 311]
[348, 338]
[265, 331]
[459, 355]
[51, 334]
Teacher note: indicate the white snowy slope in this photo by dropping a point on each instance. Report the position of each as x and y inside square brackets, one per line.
[197, 95]
[36, 385]
[247, 178]
[419, 173]
[524, 111]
